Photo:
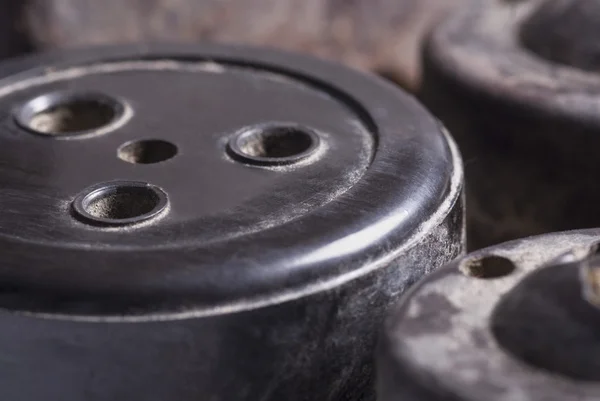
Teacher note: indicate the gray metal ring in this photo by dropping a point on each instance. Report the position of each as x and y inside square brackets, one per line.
[250, 145]
[149, 199]
[113, 108]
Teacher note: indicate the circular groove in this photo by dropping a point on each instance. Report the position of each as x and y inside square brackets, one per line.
[120, 203]
[148, 151]
[274, 144]
[69, 113]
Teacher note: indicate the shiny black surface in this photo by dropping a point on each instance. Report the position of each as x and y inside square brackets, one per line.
[384, 167]
[256, 281]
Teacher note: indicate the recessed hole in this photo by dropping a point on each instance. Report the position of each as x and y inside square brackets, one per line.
[147, 151]
[487, 267]
[120, 202]
[63, 113]
[274, 144]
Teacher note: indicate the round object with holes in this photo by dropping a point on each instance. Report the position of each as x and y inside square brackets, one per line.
[210, 223]
[517, 84]
[516, 321]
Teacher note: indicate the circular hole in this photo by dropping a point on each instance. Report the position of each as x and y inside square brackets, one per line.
[120, 202]
[147, 151]
[63, 113]
[487, 267]
[274, 144]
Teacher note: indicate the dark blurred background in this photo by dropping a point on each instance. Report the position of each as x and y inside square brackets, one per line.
[376, 35]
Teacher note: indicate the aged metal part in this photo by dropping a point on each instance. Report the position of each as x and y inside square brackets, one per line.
[220, 223]
[376, 35]
[528, 127]
[517, 321]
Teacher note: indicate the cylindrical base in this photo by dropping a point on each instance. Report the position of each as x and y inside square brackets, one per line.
[210, 223]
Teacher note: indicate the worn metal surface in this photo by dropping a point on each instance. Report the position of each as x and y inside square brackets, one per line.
[512, 322]
[380, 35]
[528, 127]
[172, 229]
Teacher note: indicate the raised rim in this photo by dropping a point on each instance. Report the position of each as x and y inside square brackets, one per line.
[24, 113]
[88, 195]
[235, 148]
